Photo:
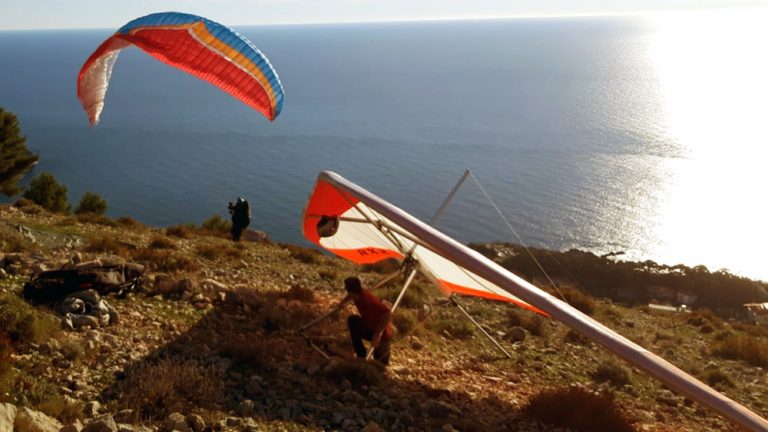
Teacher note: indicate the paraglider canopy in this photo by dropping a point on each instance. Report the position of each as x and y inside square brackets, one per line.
[196, 45]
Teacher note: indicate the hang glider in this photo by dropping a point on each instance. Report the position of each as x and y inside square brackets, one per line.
[355, 224]
[196, 45]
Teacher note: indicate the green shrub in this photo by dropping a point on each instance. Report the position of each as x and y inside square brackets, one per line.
[91, 203]
[577, 409]
[611, 371]
[45, 191]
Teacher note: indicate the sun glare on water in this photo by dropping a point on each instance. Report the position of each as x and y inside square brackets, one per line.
[711, 72]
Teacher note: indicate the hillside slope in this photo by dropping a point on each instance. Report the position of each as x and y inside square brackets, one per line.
[210, 341]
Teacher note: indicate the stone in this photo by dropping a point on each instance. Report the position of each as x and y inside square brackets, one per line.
[196, 422]
[36, 421]
[91, 409]
[440, 409]
[7, 417]
[372, 426]
[3, 274]
[245, 408]
[104, 423]
[176, 421]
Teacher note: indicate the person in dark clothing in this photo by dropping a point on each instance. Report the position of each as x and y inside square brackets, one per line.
[372, 324]
[241, 217]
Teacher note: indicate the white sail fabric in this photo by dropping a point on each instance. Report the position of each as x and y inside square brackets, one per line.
[334, 196]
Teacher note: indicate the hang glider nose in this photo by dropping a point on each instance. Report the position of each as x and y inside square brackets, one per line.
[344, 225]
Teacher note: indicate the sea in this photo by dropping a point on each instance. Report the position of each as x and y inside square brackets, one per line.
[644, 135]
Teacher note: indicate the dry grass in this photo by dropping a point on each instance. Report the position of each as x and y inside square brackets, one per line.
[216, 251]
[155, 388]
[95, 219]
[12, 241]
[742, 347]
[577, 409]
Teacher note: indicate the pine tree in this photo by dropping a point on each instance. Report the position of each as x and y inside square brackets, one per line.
[15, 159]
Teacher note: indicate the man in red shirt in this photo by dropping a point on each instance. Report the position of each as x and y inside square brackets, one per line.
[372, 324]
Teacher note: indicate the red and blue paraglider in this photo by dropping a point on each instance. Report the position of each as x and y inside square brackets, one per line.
[196, 45]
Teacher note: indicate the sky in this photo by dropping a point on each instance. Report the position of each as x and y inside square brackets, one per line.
[59, 14]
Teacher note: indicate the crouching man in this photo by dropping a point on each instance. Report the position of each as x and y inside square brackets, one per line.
[372, 324]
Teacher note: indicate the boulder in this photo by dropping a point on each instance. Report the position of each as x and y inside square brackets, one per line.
[7, 417]
[103, 423]
[28, 420]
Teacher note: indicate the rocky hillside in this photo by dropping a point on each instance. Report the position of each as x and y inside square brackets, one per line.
[209, 341]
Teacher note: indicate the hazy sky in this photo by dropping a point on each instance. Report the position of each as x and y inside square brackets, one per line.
[56, 14]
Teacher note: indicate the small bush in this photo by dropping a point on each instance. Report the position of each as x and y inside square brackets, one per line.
[329, 275]
[72, 350]
[13, 241]
[96, 219]
[404, 321]
[45, 191]
[302, 254]
[298, 292]
[156, 387]
[180, 231]
[611, 371]
[452, 327]
[161, 242]
[705, 318]
[579, 300]
[109, 245]
[577, 409]
[360, 372]
[742, 347]
[164, 260]
[535, 325]
[5, 360]
[91, 203]
[217, 224]
[128, 222]
[386, 266]
[28, 206]
[22, 323]
[718, 378]
[576, 338]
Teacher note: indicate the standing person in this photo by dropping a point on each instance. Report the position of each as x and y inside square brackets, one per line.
[241, 217]
[372, 324]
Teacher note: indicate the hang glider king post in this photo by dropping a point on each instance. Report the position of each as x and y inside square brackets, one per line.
[327, 226]
[357, 225]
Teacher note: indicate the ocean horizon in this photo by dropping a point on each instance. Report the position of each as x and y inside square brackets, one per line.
[602, 134]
